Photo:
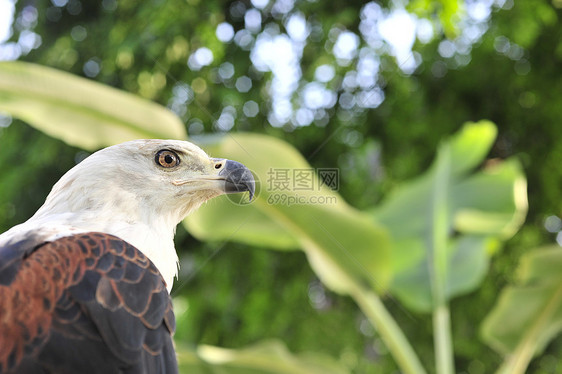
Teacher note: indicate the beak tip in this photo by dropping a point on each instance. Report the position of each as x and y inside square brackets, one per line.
[251, 191]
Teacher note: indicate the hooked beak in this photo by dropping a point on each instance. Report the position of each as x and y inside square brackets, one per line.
[238, 178]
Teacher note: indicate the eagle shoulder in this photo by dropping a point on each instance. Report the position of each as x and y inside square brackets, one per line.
[88, 302]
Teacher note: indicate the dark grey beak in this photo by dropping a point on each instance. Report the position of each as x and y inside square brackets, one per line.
[238, 178]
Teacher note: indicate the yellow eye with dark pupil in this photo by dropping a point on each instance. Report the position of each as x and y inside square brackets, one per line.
[167, 159]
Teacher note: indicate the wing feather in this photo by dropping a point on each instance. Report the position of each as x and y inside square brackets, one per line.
[83, 303]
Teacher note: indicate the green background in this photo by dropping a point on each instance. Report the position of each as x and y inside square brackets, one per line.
[234, 295]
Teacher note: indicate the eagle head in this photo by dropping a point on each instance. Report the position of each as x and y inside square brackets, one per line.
[139, 191]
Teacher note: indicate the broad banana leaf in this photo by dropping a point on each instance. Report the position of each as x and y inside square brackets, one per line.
[79, 111]
[482, 208]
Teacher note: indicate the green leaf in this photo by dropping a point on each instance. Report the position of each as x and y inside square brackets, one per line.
[219, 216]
[343, 245]
[529, 314]
[482, 207]
[469, 260]
[492, 202]
[268, 357]
[470, 145]
[79, 111]
[469, 257]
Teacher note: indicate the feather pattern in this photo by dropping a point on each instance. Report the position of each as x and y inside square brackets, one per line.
[89, 292]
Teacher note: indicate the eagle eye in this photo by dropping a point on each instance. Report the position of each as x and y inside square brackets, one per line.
[167, 159]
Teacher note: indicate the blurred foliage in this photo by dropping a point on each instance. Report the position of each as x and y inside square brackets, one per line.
[87, 115]
[270, 357]
[342, 244]
[509, 74]
[480, 209]
[529, 314]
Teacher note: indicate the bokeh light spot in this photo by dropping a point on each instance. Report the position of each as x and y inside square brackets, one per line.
[225, 32]
[226, 70]
[243, 84]
[251, 108]
[200, 58]
[92, 68]
[346, 46]
[78, 33]
[199, 85]
[297, 27]
[553, 224]
[260, 4]
[324, 73]
[252, 20]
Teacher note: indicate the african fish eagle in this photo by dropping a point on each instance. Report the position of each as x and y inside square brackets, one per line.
[84, 283]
